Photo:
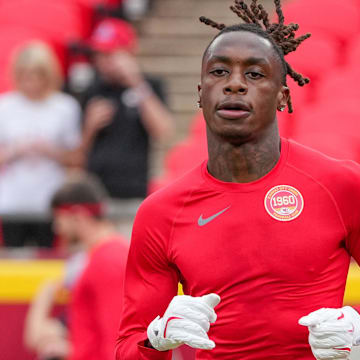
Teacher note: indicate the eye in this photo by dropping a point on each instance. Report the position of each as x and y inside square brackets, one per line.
[219, 72]
[254, 75]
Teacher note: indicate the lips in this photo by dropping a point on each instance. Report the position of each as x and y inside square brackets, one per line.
[233, 110]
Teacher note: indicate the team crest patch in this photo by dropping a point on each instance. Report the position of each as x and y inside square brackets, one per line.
[284, 203]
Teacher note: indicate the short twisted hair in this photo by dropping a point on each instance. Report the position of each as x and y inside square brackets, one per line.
[281, 36]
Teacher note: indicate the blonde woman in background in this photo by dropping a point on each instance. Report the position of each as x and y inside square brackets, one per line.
[39, 133]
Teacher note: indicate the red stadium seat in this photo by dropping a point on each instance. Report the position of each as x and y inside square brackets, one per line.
[10, 39]
[306, 61]
[61, 21]
[354, 53]
[339, 19]
[185, 155]
[306, 58]
[198, 127]
[340, 87]
[332, 128]
[182, 158]
[189, 152]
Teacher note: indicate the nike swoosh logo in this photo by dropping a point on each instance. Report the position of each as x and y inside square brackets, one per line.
[343, 349]
[202, 221]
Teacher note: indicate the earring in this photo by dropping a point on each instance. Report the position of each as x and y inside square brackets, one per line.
[282, 108]
[199, 104]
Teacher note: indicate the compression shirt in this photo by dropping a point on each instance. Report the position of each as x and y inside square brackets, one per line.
[274, 249]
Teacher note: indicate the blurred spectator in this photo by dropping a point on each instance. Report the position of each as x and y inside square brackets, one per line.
[95, 308]
[123, 111]
[39, 128]
[94, 279]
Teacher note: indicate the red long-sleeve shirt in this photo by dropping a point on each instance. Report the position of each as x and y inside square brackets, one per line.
[274, 249]
[95, 307]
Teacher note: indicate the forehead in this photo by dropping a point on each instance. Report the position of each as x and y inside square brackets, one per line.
[239, 45]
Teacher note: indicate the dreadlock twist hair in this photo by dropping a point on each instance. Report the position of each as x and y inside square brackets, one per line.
[282, 37]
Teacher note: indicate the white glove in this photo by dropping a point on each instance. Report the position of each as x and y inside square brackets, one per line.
[186, 321]
[333, 332]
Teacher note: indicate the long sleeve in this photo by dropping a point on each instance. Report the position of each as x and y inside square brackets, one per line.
[150, 283]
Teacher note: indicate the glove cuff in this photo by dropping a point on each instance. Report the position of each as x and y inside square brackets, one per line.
[153, 333]
[354, 317]
[156, 337]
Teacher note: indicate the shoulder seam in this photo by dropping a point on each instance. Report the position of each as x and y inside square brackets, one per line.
[329, 194]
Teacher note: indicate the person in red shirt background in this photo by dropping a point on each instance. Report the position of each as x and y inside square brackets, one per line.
[94, 310]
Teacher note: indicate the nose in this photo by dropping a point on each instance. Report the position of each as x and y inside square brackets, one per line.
[236, 85]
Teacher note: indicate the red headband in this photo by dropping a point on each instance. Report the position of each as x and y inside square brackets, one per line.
[95, 209]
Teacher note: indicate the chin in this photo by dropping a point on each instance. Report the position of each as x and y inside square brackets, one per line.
[237, 140]
[235, 136]
[241, 131]
[235, 132]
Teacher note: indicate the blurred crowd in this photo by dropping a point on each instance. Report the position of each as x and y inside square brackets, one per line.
[75, 102]
[78, 118]
[93, 276]
[90, 108]
[78, 99]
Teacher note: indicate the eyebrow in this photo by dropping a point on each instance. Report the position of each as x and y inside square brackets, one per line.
[247, 62]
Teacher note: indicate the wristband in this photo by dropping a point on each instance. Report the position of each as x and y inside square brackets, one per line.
[133, 97]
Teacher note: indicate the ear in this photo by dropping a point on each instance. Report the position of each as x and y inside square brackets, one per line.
[283, 97]
[199, 93]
